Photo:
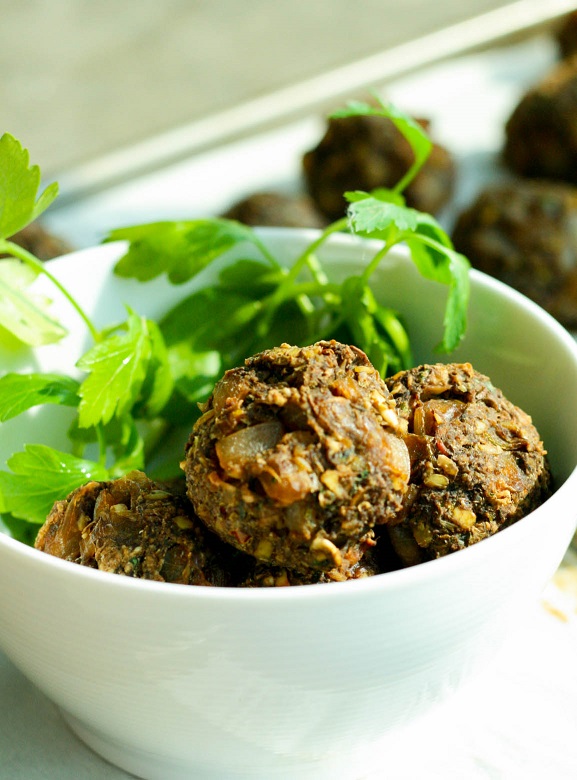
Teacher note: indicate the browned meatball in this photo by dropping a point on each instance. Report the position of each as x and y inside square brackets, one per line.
[296, 457]
[40, 242]
[477, 462]
[135, 527]
[541, 133]
[367, 152]
[277, 210]
[525, 234]
[263, 575]
[566, 35]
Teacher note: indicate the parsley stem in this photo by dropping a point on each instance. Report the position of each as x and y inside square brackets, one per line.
[403, 183]
[335, 227]
[29, 259]
[305, 304]
[316, 269]
[430, 242]
[266, 254]
[101, 444]
[309, 259]
[395, 238]
[285, 289]
[323, 289]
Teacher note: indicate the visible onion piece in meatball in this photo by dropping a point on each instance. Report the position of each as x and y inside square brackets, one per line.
[298, 456]
[136, 527]
[477, 461]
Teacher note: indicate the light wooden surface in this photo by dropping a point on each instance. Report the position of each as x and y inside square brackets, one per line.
[80, 78]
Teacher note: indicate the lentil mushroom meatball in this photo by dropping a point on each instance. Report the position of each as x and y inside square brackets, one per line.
[541, 132]
[566, 35]
[297, 457]
[525, 234]
[134, 526]
[277, 210]
[477, 461]
[40, 242]
[262, 575]
[367, 152]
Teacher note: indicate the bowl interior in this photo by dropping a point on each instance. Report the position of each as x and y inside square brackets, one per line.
[524, 351]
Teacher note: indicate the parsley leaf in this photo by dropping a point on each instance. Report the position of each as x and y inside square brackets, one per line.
[179, 249]
[22, 313]
[372, 214]
[40, 476]
[127, 446]
[158, 382]
[19, 392]
[252, 277]
[374, 328]
[19, 529]
[200, 318]
[431, 250]
[117, 369]
[19, 184]
[433, 254]
[195, 374]
[120, 443]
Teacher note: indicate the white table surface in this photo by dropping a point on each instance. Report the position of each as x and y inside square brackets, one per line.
[520, 720]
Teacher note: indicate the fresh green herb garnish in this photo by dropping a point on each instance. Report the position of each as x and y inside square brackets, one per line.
[39, 475]
[420, 143]
[20, 392]
[19, 185]
[142, 379]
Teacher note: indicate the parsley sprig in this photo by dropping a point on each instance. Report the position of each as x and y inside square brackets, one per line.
[141, 379]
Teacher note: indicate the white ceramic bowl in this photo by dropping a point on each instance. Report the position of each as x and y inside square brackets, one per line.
[172, 681]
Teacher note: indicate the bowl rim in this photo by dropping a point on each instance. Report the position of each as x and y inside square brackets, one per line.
[388, 581]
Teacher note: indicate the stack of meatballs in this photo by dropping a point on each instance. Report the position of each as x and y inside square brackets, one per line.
[305, 466]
